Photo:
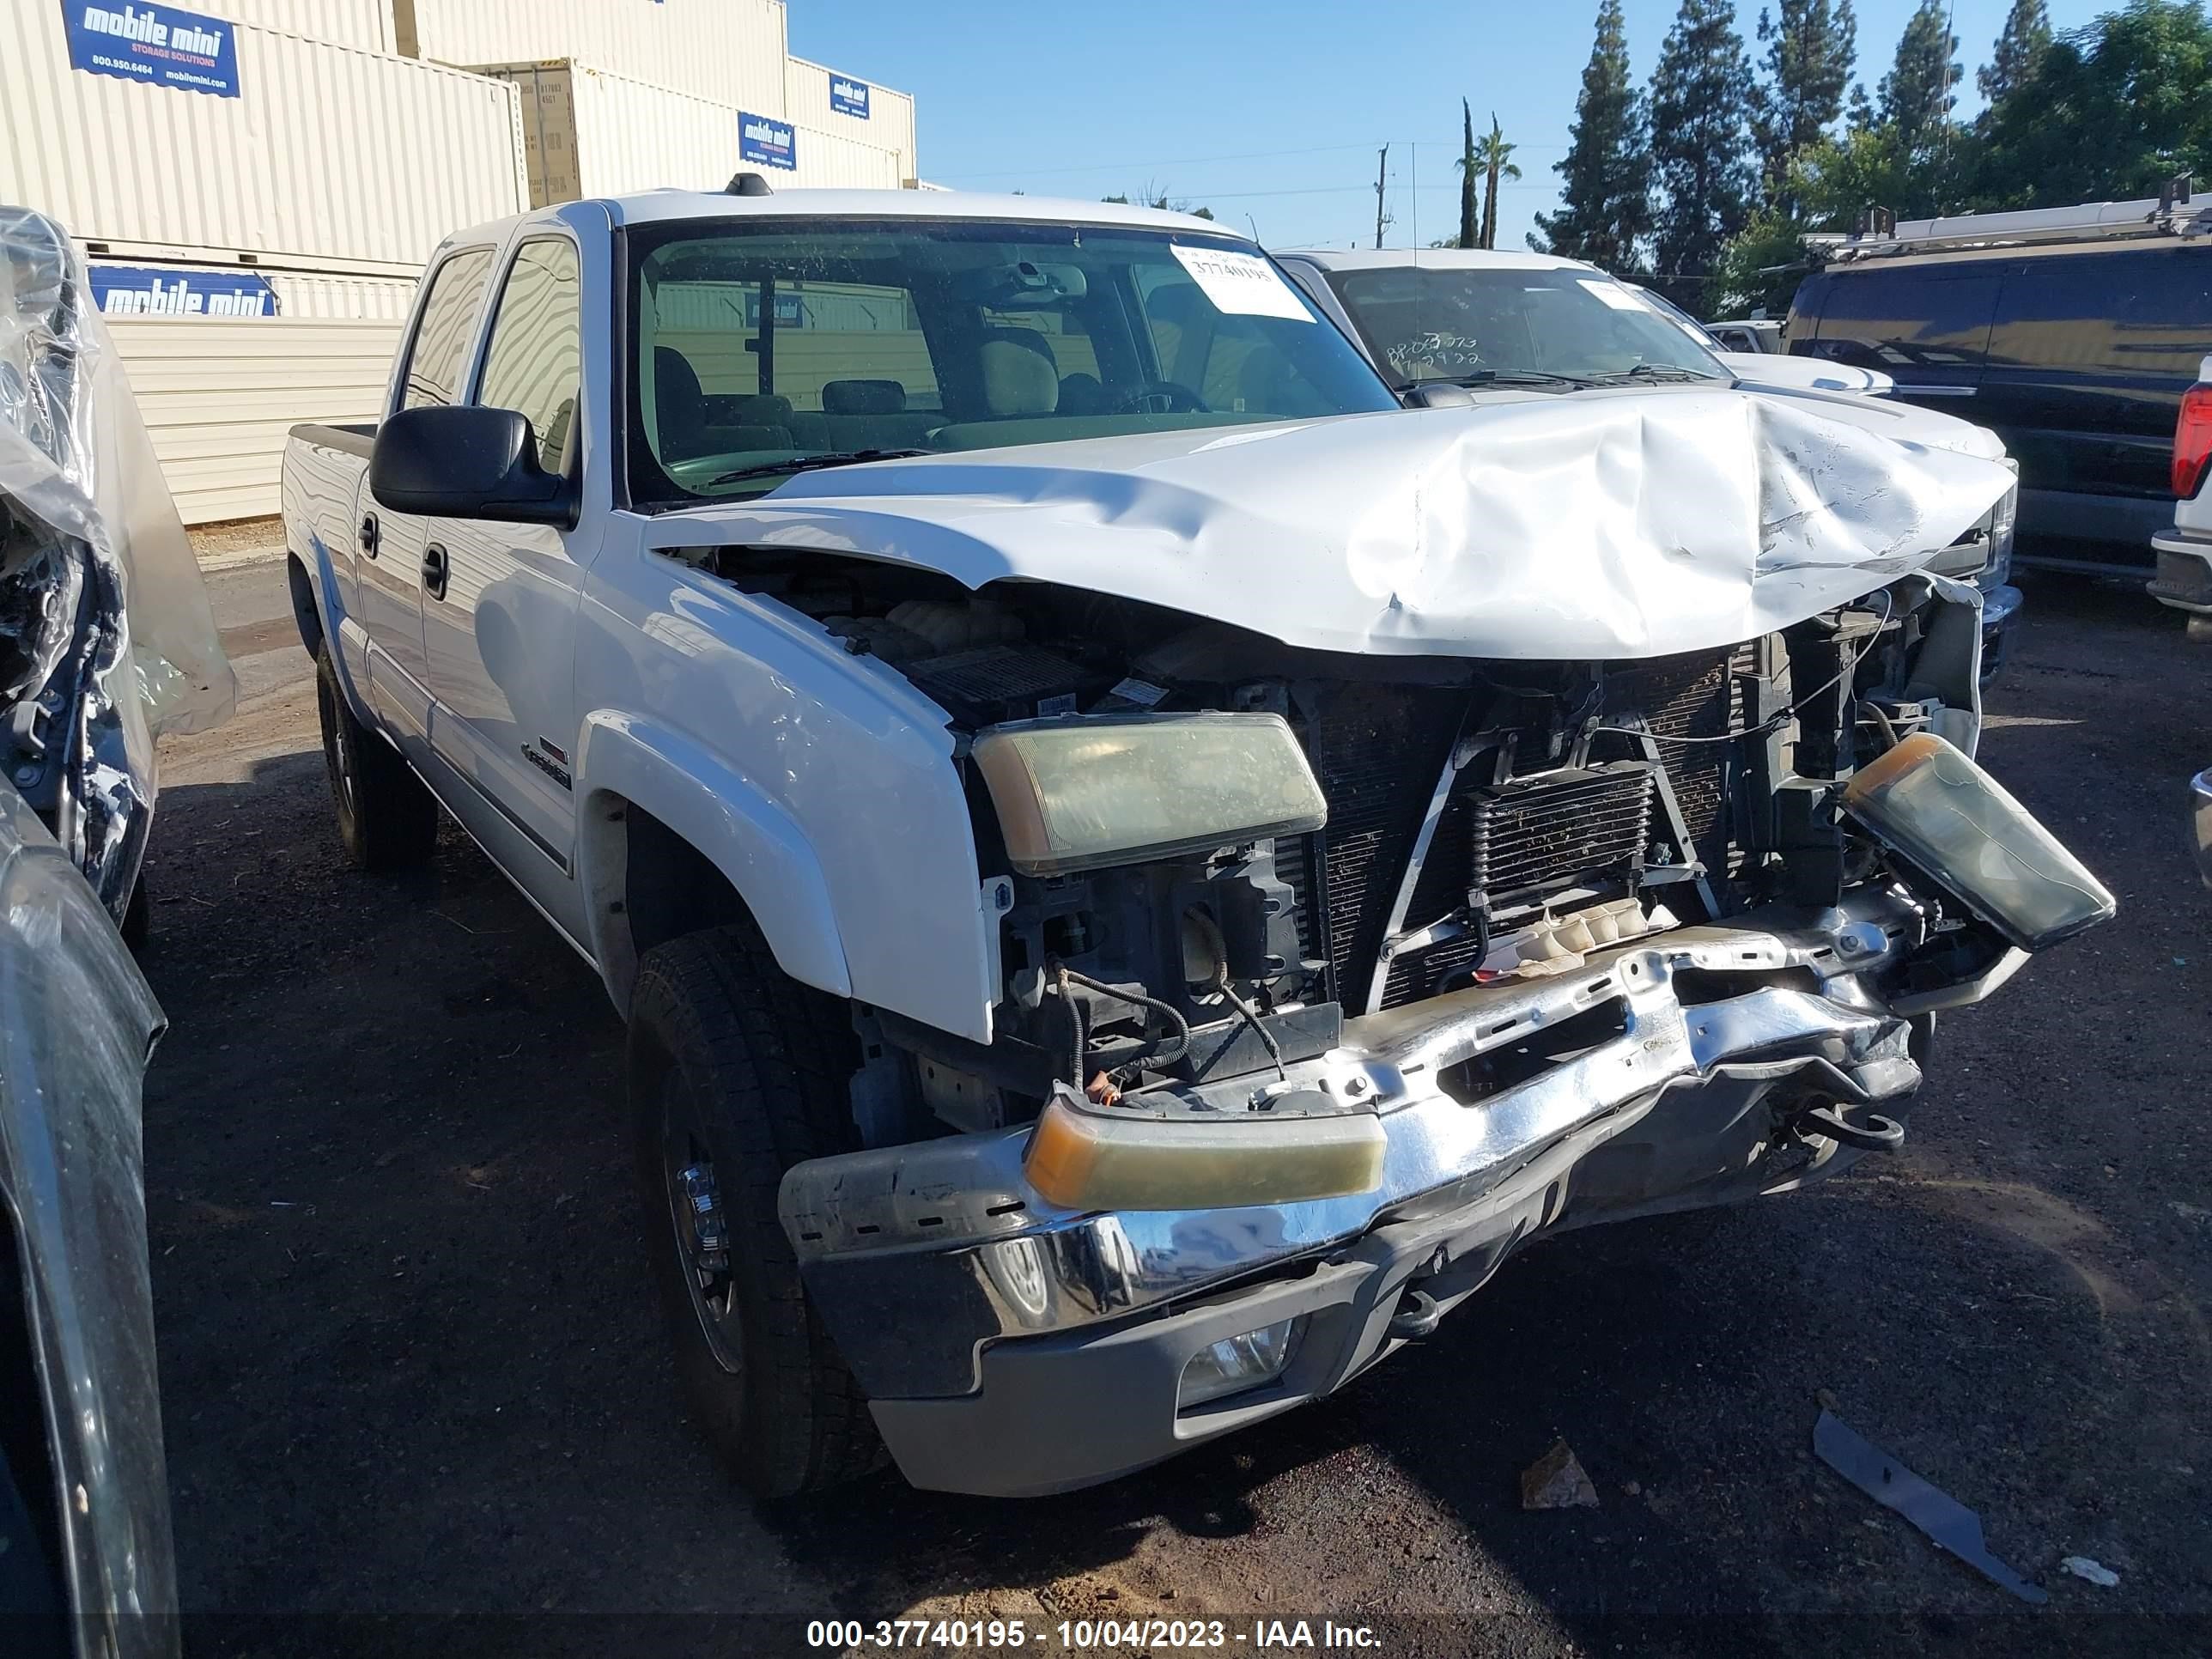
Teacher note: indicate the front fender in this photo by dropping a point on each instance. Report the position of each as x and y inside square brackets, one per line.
[720, 813]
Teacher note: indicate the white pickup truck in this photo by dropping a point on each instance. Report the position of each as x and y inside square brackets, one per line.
[1137, 871]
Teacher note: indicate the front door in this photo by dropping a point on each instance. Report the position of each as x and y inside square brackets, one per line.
[499, 608]
[392, 544]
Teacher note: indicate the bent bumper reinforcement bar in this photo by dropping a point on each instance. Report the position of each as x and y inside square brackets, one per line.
[982, 1320]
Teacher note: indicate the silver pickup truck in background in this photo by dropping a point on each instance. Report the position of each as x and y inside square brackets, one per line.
[1139, 871]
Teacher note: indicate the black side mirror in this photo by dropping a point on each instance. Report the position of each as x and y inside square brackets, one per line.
[466, 463]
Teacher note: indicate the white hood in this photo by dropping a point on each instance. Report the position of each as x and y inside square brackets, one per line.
[1774, 368]
[1603, 525]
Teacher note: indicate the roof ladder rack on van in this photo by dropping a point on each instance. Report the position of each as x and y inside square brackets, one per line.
[1880, 233]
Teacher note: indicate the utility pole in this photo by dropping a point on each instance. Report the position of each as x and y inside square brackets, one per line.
[1381, 165]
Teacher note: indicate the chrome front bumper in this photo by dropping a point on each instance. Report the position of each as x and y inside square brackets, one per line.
[920, 1257]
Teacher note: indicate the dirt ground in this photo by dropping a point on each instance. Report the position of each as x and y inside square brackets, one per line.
[413, 1383]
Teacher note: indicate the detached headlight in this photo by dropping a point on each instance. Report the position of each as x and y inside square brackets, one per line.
[1083, 794]
[1933, 805]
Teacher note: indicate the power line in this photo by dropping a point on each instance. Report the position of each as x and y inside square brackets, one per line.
[1199, 160]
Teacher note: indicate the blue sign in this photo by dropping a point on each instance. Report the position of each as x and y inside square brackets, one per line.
[151, 291]
[771, 143]
[790, 310]
[158, 44]
[848, 96]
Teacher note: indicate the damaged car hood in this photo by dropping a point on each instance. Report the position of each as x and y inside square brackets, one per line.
[1605, 525]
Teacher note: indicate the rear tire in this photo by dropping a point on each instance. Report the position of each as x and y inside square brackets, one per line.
[736, 1074]
[387, 817]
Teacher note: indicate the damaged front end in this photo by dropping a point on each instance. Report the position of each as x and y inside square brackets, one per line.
[105, 637]
[1326, 981]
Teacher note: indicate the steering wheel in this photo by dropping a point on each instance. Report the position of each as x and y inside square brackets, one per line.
[1160, 397]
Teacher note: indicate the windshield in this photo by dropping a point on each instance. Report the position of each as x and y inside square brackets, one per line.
[1681, 319]
[1561, 327]
[763, 348]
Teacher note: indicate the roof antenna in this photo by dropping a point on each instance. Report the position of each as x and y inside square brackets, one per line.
[748, 184]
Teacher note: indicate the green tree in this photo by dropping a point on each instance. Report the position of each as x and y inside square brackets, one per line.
[1494, 155]
[1469, 226]
[1811, 49]
[1700, 142]
[2109, 111]
[1153, 196]
[1605, 196]
[2020, 48]
[1916, 94]
[1759, 269]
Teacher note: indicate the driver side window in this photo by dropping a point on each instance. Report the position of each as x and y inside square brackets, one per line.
[535, 363]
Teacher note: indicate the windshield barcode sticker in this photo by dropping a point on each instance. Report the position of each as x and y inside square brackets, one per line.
[1612, 293]
[1243, 284]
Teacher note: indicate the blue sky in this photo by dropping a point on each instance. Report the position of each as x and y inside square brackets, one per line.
[1271, 114]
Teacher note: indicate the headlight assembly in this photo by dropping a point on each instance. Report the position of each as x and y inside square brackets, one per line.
[1932, 804]
[1083, 794]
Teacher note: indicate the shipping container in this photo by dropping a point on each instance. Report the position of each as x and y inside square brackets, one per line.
[727, 51]
[174, 290]
[847, 106]
[219, 397]
[316, 153]
[588, 133]
[363, 23]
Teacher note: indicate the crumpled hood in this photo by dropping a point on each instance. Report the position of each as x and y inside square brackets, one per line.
[1599, 526]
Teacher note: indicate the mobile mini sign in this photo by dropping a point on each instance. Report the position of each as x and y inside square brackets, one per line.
[767, 142]
[157, 45]
[150, 291]
[848, 96]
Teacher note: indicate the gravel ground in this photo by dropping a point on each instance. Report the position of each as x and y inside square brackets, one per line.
[416, 1398]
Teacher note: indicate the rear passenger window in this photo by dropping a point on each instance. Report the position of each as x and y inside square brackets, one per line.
[2133, 314]
[535, 361]
[441, 349]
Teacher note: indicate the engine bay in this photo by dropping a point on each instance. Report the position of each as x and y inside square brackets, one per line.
[1486, 820]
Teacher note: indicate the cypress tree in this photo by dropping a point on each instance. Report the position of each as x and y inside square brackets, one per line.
[1468, 231]
[2020, 48]
[1811, 49]
[1605, 190]
[1916, 96]
[1700, 142]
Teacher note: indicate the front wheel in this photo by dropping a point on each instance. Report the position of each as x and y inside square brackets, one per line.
[736, 1074]
[387, 817]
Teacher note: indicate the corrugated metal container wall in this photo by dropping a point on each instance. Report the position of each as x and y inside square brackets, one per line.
[888, 123]
[219, 397]
[829, 162]
[727, 51]
[298, 294]
[586, 132]
[327, 153]
[363, 23]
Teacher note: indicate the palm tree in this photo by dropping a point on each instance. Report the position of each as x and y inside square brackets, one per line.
[1493, 156]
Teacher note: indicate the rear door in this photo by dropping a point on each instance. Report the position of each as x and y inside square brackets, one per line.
[2088, 360]
[434, 372]
[1925, 324]
[499, 609]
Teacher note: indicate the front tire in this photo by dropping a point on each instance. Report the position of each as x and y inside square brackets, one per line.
[387, 817]
[736, 1074]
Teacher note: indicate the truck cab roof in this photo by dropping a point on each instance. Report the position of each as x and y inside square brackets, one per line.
[664, 206]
